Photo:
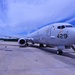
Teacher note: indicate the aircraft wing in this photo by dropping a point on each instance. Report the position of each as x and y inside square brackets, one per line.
[9, 38]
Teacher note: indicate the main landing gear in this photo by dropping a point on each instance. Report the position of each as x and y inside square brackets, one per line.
[27, 44]
[41, 45]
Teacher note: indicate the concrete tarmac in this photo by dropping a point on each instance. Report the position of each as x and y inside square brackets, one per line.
[34, 60]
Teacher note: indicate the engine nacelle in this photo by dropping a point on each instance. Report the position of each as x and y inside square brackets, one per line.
[22, 42]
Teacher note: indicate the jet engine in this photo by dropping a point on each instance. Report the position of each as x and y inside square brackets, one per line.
[22, 42]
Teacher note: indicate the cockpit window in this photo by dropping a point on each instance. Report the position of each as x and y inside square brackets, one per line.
[68, 26]
[61, 27]
[64, 26]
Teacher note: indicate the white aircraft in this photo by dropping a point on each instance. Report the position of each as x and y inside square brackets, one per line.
[61, 35]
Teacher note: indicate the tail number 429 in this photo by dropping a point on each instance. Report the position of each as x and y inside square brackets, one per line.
[62, 36]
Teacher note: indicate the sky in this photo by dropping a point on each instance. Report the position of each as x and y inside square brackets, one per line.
[22, 17]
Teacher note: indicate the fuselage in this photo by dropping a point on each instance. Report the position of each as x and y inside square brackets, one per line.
[55, 34]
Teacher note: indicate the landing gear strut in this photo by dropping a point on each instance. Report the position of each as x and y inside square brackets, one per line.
[27, 44]
[59, 52]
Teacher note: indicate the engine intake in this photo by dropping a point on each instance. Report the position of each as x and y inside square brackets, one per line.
[22, 42]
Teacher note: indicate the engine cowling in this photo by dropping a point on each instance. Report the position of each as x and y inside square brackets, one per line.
[22, 42]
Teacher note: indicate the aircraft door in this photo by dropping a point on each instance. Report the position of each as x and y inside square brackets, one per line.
[53, 32]
[51, 35]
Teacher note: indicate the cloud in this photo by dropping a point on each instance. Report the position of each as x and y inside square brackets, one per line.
[21, 17]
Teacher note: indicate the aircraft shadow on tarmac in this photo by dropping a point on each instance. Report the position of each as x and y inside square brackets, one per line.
[65, 54]
[49, 50]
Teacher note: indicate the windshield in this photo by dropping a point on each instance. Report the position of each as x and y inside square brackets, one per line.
[64, 26]
[61, 27]
[68, 26]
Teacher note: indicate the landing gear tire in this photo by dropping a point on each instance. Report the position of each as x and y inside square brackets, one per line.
[41, 45]
[59, 52]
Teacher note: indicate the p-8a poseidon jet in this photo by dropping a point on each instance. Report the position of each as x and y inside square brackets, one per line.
[61, 35]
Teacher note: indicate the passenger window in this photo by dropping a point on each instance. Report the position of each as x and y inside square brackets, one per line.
[61, 27]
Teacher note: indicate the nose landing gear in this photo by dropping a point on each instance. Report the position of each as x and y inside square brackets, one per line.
[60, 48]
[59, 52]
